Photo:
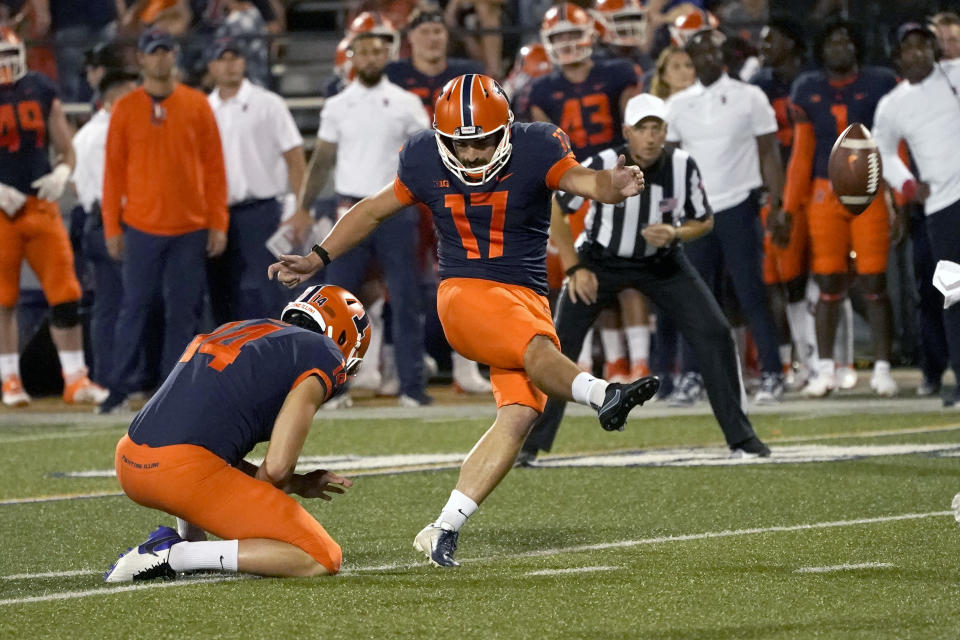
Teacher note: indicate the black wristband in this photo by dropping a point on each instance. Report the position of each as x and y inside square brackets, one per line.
[572, 270]
[321, 253]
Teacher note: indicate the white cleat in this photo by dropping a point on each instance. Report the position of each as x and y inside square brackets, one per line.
[883, 384]
[438, 544]
[846, 377]
[820, 386]
[147, 561]
[955, 505]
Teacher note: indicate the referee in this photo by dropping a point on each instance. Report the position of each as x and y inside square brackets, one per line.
[635, 245]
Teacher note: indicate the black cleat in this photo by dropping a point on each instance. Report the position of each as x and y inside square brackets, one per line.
[752, 447]
[619, 399]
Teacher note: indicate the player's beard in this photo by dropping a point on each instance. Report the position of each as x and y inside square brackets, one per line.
[370, 78]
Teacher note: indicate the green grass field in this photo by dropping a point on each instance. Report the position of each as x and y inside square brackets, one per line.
[846, 533]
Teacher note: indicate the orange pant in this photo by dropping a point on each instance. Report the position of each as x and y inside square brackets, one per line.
[493, 323]
[783, 264]
[37, 234]
[834, 231]
[192, 483]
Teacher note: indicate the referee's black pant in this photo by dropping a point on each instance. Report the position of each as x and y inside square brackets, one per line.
[671, 282]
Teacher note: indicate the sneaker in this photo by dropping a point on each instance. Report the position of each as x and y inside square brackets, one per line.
[883, 383]
[148, 561]
[341, 401]
[688, 391]
[13, 393]
[928, 388]
[822, 383]
[84, 391]
[953, 400]
[467, 377]
[114, 403]
[617, 371]
[619, 399]
[771, 389]
[438, 544]
[526, 459]
[846, 377]
[411, 401]
[752, 447]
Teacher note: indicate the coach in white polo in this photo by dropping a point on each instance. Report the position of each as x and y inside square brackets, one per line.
[263, 152]
[924, 110]
[730, 128]
[361, 131]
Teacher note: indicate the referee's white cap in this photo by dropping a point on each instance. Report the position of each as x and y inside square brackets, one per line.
[644, 105]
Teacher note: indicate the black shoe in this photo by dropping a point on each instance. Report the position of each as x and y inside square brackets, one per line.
[752, 447]
[526, 458]
[115, 403]
[619, 399]
[953, 400]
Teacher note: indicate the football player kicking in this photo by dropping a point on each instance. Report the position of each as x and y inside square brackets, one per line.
[488, 182]
[247, 382]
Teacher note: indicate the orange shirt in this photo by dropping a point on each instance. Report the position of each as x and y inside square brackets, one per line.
[153, 8]
[164, 172]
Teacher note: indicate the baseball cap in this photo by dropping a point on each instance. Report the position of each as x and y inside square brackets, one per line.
[644, 105]
[912, 27]
[223, 45]
[153, 39]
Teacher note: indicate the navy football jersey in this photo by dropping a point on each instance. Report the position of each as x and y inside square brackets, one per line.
[778, 93]
[588, 111]
[403, 74]
[832, 107]
[498, 230]
[24, 110]
[229, 385]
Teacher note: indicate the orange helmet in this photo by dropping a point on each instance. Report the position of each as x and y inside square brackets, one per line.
[342, 64]
[470, 107]
[13, 57]
[623, 23]
[373, 22]
[533, 61]
[565, 19]
[686, 25]
[337, 314]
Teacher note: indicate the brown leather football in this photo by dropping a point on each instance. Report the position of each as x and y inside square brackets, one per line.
[855, 168]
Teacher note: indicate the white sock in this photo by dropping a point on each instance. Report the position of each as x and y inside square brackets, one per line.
[190, 532]
[614, 346]
[843, 343]
[375, 313]
[786, 354]
[586, 351]
[638, 343]
[803, 330]
[826, 366]
[588, 390]
[214, 555]
[455, 513]
[72, 364]
[9, 365]
[881, 366]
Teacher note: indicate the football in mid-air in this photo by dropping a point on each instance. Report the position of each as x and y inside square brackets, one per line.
[855, 169]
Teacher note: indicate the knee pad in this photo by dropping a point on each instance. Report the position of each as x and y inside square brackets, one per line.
[65, 315]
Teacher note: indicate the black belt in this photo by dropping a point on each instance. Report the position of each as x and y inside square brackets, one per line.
[253, 202]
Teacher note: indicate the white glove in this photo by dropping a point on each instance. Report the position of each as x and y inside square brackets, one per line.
[11, 200]
[50, 187]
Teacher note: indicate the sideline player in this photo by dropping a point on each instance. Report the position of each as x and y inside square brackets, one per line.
[488, 182]
[247, 382]
[31, 119]
[823, 103]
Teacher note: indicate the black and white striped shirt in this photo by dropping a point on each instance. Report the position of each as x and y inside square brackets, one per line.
[673, 194]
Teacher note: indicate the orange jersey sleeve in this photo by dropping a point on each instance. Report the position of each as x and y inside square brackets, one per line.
[115, 173]
[559, 168]
[212, 165]
[800, 169]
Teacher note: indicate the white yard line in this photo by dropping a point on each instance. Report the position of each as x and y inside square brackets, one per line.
[558, 572]
[844, 567]
[71, 496]
[51, 574]
[500, 557]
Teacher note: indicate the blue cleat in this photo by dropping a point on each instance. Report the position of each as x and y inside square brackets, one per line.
[148, 561]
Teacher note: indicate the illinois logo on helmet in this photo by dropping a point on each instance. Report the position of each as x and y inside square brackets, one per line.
[342, 63]
[471, 107]
[690, 23]
[623, 23]
[374, 23]
[337, 314]
[13, 57]
[567, 33]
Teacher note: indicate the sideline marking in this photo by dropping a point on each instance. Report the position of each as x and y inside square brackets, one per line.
[844, 567]
[557, 572]
[58, 498]
[51, 574]
[499, 557]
